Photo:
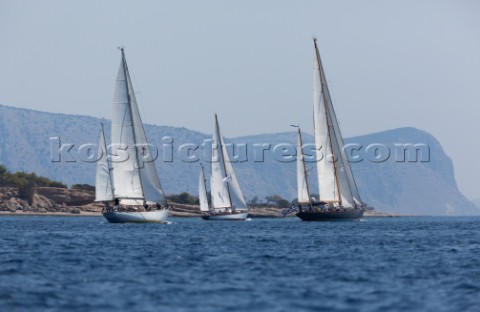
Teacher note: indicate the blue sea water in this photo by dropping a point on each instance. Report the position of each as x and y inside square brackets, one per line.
[384, 264]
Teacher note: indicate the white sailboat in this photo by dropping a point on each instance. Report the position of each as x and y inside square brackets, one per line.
[130, 179]
[339, 196]
[228, 202]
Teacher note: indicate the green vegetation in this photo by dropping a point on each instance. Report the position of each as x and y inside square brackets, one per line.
[25, 182]
[83, 187]
[19, 179]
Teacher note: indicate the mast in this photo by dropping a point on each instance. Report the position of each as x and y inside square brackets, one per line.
[220, 146]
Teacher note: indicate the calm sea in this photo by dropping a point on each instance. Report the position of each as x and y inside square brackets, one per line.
[385, 264]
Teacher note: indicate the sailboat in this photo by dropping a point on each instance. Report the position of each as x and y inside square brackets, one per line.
[127, 177]
[228, 202]
[338, 193]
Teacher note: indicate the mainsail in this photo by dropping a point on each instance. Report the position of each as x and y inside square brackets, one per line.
[224, 185]
[202, 192]
[134, 174]
[302, 177]
[328, 189]
[335, 178]
[103, 178]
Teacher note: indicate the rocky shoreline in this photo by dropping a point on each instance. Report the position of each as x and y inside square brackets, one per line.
[48, 200]
[52, 201]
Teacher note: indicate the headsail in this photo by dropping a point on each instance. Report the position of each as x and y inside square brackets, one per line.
[202, 192]
[103, 179]
[134, 174]
[302, 177]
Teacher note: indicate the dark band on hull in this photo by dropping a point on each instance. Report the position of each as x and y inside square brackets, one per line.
[331, 216]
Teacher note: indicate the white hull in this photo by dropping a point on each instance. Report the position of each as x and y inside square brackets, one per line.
[227, 217]
[143, 216]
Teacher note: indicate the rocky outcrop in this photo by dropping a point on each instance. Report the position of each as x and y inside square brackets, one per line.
[67, 197]
[48, 200]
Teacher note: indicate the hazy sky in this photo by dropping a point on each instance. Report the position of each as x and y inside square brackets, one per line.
[389, 64]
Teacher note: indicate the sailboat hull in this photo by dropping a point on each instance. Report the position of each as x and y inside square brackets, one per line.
[138, 217]
[331, 215]
[226, 217]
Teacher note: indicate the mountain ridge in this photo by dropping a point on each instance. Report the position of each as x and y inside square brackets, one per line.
[391, 186]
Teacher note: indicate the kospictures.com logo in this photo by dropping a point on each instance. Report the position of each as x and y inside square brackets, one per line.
[168, 151]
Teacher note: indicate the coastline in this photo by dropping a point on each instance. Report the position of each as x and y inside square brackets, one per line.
[181, 211]
[63, 202]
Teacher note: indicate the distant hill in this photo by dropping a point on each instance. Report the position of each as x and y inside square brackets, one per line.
[392, 186]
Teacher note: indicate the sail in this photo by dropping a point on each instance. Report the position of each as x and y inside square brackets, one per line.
[152, 189]
[348, 192]
[103, 178]
[224, 186]
[302, 178]
[336, 128]
[218, 188]
[327, 185]
[202, 192]
[134, 175]
[343, 184]
[238, 201]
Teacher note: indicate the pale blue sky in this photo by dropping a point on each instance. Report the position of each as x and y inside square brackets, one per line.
[389, 63]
